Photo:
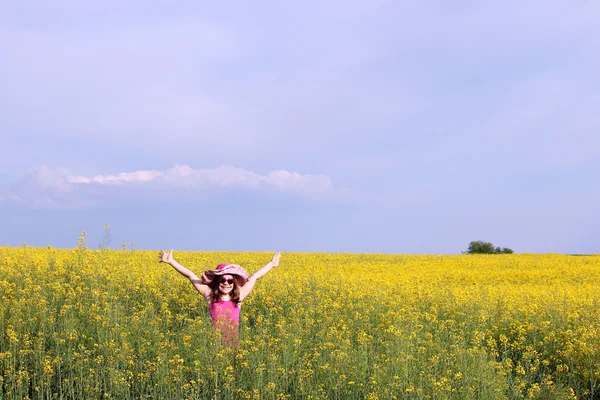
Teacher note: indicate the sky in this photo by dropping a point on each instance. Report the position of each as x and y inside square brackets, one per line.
[339, 126]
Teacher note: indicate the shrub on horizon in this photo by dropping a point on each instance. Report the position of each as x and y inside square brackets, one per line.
[481, 247]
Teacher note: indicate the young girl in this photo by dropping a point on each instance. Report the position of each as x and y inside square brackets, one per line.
[224, 288]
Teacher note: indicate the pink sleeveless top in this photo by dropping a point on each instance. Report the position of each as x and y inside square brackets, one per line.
[224, 313]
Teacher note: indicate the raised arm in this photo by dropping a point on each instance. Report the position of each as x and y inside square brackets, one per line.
[247, 288]
[167, 257]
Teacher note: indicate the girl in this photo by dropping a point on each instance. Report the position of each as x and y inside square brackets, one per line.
[224, 288]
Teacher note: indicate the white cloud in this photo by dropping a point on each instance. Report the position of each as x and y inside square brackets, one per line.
[60, 188]
[224, 176]
[124, 177]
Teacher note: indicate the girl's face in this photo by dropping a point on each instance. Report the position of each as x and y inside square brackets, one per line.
[226, 283]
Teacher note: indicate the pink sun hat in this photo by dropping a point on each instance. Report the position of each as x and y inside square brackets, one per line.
[226, 269]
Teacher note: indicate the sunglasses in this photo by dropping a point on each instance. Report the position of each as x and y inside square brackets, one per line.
[228, 281]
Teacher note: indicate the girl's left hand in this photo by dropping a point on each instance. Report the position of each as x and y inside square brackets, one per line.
[275, 259]
[165, 256]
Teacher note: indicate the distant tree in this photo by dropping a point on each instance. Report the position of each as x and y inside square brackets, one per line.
[481, 247]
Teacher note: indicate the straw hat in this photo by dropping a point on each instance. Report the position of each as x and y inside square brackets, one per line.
[238, 273]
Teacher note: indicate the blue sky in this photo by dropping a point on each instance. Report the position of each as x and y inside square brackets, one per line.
[341, 126]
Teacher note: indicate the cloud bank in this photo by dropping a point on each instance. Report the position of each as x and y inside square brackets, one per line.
[60, 188]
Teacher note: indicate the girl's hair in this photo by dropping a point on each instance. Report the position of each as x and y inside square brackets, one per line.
[215, 293]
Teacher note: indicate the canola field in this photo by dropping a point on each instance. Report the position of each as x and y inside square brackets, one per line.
[97, 324]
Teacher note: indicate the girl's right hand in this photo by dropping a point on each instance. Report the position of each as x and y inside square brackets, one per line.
[165, 257]
[275, 259]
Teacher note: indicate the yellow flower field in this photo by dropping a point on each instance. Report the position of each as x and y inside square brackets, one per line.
[85, 324]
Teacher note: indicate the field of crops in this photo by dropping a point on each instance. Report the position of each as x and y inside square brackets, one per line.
[83, 324]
